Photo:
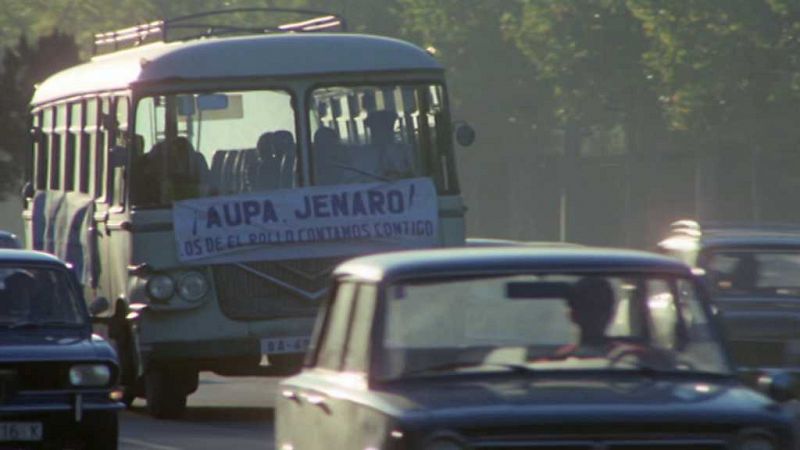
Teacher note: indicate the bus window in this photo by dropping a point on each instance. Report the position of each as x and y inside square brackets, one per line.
[91, 131]
[55, 147]
[104, 147]
[40, 151]
[377, 133]
[71, 134]
[199, 144]
[118, 153]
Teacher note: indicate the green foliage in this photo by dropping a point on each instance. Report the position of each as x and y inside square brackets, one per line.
[23, 66]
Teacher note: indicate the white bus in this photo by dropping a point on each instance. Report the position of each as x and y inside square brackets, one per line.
[203, 179]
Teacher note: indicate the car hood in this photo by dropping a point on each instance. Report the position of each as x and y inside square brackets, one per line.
[56, 345]
[618, 398]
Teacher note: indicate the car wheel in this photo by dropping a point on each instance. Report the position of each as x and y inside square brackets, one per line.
[101, 431]
[289, 364]
[166, 387]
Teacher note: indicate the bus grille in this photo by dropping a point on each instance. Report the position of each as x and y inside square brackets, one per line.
[272, 289]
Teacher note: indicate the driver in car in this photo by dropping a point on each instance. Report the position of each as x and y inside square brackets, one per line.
[591, 306]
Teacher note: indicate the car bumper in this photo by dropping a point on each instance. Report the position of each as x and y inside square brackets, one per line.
[73, 404]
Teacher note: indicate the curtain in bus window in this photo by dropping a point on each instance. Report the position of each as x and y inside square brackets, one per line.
[61, 226]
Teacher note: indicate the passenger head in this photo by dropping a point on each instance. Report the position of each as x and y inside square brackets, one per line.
[381, 126]
[264, 146]
[284, 143]
[325, 138]
[20, 287]
[746, 273]
[591, 306]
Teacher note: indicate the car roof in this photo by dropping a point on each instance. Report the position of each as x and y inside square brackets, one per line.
[504, 260]
[28, 257]
[279, 55]
[499, 242]
[733, 235]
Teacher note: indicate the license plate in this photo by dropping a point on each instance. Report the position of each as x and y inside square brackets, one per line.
[21, 431]
[272, 346]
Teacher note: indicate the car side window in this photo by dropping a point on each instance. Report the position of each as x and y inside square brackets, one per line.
[357, 352]
[335, 330]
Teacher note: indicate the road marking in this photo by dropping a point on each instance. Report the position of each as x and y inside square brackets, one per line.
[144, 444]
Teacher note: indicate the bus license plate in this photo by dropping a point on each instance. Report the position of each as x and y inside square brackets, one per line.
[21, 431]
[284, 345]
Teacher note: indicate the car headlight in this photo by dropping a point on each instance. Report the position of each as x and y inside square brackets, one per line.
[89, 375]
[161, 287]
[193, 286]
[755, 441]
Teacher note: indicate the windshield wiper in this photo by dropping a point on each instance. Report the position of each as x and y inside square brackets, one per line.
[31, 325]
[359, 171]
[456, 365]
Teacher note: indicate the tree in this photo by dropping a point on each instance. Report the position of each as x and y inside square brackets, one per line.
[23, 67]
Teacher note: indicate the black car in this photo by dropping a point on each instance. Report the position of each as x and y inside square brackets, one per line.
[57, 379]
[9, 240]
[753, 274]
[523, 348]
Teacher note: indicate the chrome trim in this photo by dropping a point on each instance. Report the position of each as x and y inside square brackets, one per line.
[310, 295]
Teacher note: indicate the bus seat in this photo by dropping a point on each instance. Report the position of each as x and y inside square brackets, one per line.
[226, 184]
[267, 173]
[249, 161]
[217, 161]
[285, 152]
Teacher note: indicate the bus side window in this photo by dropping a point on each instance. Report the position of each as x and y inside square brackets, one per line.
[69, 138]
[40, 154]
[55, 147]
[94, 153]
[118, 153]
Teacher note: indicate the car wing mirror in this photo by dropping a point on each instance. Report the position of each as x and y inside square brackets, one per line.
[465, 134]
[779, 385]
[99, 306]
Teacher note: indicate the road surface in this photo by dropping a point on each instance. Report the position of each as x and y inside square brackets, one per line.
[224, 413]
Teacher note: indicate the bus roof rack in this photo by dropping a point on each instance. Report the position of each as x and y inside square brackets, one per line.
[208, 24]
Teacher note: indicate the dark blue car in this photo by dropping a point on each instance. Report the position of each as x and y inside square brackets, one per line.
[524, 348]
[56, 378]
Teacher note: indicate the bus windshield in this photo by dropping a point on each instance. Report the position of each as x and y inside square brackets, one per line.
[364, 134]
[202, 144]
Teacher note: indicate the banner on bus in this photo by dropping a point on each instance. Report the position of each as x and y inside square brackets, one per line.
[318, 221]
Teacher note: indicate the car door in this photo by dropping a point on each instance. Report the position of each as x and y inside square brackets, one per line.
[306, 405]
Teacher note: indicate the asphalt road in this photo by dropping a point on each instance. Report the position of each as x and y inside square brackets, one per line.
[224, 413]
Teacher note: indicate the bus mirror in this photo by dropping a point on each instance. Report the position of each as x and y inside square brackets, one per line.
[99, 306]
[465, 134]
[27, 190]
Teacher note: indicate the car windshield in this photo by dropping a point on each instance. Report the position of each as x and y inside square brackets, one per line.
[755, 272]
[548, 322]
[211, 143]
[36, 296]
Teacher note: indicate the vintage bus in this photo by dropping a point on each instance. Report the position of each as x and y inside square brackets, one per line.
[204, 177]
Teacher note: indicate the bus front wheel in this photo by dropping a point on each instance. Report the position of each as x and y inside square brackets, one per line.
[166, 390]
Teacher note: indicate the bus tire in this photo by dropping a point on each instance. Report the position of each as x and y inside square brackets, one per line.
[101, 431]
[122, 337]
[166, 390]
[287, 364]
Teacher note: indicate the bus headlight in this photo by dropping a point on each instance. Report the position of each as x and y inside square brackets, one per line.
[445, 441]
[161, 287]
[193, 286]
[89, 375]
